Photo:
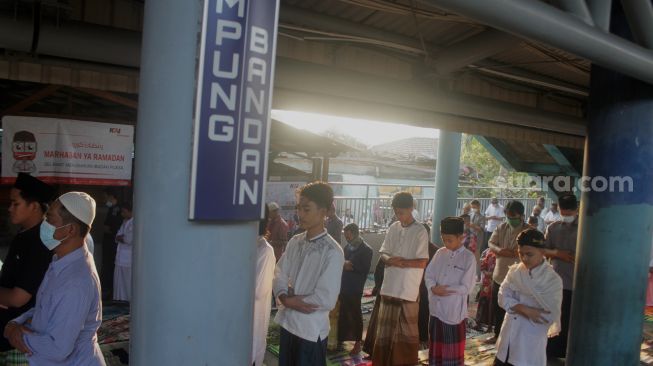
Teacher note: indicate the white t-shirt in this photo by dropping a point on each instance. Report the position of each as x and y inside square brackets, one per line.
[552, 216]
[410, 242]
[497, 211]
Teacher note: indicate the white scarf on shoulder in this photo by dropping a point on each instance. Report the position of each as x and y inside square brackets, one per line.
[544, 285]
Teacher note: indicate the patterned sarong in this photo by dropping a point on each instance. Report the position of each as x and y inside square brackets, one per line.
[397, 336]
[13, 358]
[447, 343]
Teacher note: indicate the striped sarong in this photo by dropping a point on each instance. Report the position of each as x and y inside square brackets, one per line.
[397, 336]
[13, 358]
[370, 336]
[447, 343]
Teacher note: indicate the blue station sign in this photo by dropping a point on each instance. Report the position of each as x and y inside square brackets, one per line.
[232, 113]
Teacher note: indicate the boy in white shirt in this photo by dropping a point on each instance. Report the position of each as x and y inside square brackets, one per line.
[531, 295]
[307, 282]
[405, 254]
[449, 278]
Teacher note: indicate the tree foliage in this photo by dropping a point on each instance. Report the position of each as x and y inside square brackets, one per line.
[484, 170]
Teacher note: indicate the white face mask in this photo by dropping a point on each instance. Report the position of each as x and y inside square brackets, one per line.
[568, 219]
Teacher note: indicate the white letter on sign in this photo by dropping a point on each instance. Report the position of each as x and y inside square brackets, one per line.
[252, 193]
[227, 29]
[227, 132]
[231, 3]
[228, 100]
[250, 159]
[250, 99]
[256, 67]
[227, 74]
[252, 126]
[259, 41]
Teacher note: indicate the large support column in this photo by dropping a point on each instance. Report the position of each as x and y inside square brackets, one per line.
[193, 282]
[446, 180]
[615, 227]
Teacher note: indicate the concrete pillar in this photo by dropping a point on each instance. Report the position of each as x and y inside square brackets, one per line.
[615, 227]
[193, 282]
[446, 180]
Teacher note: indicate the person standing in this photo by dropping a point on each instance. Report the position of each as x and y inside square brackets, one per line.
[405, 253]
[560, 241]
[307, 282]
[553, 215]
[424, 314]
[494, 215]
[450, 279]
[334, 224]
[61, 329]
[27, 259]
[112, 223]
[358, 259]
[477, 223]
[537, 213]
[531, 295]
[122, 279]
[278, 229]
[265, 263]
[503, 243]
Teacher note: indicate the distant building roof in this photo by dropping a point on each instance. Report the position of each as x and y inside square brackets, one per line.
[413, 148]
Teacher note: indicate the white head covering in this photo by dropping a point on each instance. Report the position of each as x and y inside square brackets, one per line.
[273, 206]
[80, 205]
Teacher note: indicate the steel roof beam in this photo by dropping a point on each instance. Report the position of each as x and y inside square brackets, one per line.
[600, 10]
[640, 18]
[578, 8]
[541, 22]
[473, 49]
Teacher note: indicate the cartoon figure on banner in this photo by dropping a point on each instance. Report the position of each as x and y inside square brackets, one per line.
[24, 149]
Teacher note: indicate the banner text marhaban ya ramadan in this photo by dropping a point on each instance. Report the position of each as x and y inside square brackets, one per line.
[54, 154]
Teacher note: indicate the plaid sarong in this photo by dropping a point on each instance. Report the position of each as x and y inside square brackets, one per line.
[13, 358]
[397, 336]
[447, 343]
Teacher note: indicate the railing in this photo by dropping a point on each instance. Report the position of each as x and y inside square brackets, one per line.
[373, 213]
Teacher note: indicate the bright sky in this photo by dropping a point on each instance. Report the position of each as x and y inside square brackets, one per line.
[365, 131]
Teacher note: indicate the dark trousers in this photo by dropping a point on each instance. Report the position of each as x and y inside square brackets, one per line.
[109, 248]
[296, 351]
[557, 346]
[499, 313]
[350, 318]
[484, 244]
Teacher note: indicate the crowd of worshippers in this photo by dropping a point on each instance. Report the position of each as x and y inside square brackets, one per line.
[50, 290]
[524, 274]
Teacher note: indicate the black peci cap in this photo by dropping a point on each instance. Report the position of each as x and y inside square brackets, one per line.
[33, 187]
[452, 226]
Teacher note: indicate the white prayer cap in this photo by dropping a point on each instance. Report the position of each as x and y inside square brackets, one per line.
[80, 205]
[273, 206]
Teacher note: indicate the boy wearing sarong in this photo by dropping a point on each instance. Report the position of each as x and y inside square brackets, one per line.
[531, 294]
[449, 278]
[405, 254]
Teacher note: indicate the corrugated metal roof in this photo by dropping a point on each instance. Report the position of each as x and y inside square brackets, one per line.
[441, 33]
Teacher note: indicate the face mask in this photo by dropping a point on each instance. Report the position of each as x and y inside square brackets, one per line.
[568, 219]
[109, 204]
[475, 210]
[514, 222]
[46, 232]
